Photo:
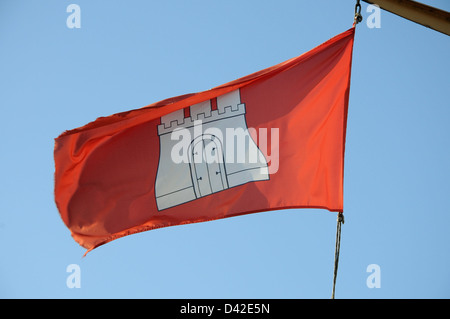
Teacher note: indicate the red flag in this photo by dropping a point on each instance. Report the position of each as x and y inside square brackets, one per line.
[271, 140]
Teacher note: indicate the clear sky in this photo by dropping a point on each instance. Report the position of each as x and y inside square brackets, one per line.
[130, 54]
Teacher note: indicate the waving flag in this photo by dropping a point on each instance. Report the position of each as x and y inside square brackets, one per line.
[271, 140]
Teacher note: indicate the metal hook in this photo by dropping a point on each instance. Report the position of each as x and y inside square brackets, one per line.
[358, 16]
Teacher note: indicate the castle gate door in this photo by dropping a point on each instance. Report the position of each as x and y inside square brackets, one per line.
[207, 165]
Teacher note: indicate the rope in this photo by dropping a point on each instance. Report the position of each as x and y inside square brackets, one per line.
[340, 218]
[340, 221]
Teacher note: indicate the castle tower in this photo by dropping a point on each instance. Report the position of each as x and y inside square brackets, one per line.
[219, 153]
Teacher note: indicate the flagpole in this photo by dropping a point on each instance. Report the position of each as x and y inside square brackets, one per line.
[417, 12]
[340, 221]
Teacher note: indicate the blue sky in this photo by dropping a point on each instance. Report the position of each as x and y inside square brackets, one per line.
[129, 54]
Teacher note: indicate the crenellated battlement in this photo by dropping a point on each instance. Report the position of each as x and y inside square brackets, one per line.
[228, 105]
[200, 161]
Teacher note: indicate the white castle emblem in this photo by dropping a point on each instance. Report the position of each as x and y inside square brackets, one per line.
[207, 169]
